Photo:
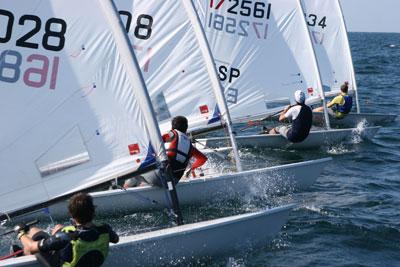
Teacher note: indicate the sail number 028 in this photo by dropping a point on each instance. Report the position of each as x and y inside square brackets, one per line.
[55, 29]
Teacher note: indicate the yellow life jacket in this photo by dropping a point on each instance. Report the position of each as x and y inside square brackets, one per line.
[80, 247]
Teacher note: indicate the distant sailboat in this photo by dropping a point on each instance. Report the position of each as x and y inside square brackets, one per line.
[264, 54]
[329, 34]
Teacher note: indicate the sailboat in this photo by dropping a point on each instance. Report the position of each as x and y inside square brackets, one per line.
[328, 32]
[264, 54]
[188, 73]
[79, 115]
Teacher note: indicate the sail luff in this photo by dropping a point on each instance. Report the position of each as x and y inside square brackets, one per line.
[343, 21]
[316, 65]
[217, 87]
[141, 93]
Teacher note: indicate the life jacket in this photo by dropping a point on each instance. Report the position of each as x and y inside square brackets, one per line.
[301, 125]
[179, 153]
[346, 107]
[89, 247]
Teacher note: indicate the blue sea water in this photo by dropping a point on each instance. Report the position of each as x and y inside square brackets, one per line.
[351, 216]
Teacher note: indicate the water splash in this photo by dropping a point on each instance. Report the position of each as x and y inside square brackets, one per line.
[339, 150]
[232, 262]
[357, 133]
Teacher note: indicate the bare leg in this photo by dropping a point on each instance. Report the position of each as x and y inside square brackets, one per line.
[33, 231]
[27, 241]
[319, 109]
[273, 131]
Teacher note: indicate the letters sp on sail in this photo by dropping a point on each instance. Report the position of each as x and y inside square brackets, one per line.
[172, 63]
[263, 53]
[71, 114]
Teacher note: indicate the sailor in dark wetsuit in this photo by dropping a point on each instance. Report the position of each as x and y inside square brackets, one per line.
[301, 117]
[81, 244]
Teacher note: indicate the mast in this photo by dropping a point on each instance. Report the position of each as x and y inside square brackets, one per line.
[218, 90]
[351, 58]
[319, 80]
[140, 91]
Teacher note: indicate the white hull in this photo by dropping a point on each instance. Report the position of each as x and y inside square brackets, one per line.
[285, 178]
[184, 243]
[353, 119]
[316, 139]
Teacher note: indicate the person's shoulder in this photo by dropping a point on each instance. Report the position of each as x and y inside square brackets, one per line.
[337, 99]
[295, 108]
[105, 228]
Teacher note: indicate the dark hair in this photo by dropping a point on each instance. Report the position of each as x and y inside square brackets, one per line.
[81, 208]
[345, 87]
[180, 123]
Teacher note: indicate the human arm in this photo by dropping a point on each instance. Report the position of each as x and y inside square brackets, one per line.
[338, 100]
[54, 242]
[168, 137]
[283, 116]
[200, 159]
[114, 238]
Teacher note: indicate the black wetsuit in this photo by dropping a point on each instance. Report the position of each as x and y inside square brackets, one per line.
[57, 249]
[301, 125]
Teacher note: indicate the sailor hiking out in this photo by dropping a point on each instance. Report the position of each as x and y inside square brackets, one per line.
[341, 105]
[180, 151]
[81, 244]
[301, 117]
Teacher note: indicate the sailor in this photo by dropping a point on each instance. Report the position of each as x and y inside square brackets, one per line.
[301, 117]
[81, 244]
[179, 152]
[341, 105]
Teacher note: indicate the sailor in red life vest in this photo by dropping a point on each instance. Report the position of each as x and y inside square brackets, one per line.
[180, 152]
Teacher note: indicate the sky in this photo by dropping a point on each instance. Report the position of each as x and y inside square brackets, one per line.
[372, 15]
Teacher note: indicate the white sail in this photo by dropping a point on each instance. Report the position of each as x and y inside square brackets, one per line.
[328, 33]
[68, 109]
[176, 62]
[171, 60]
[263, 53]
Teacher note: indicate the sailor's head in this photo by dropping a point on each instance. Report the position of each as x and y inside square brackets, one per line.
[299, 97]
[180, 123]
[345, 87]
[81, 208]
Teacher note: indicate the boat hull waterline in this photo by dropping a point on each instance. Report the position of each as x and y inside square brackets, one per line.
[198, 191]
[353, 119]
[316, 139]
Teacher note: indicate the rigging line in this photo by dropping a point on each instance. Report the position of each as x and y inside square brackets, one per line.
[6, 220]
[144, 199]
[220, 155]
[138, 196]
